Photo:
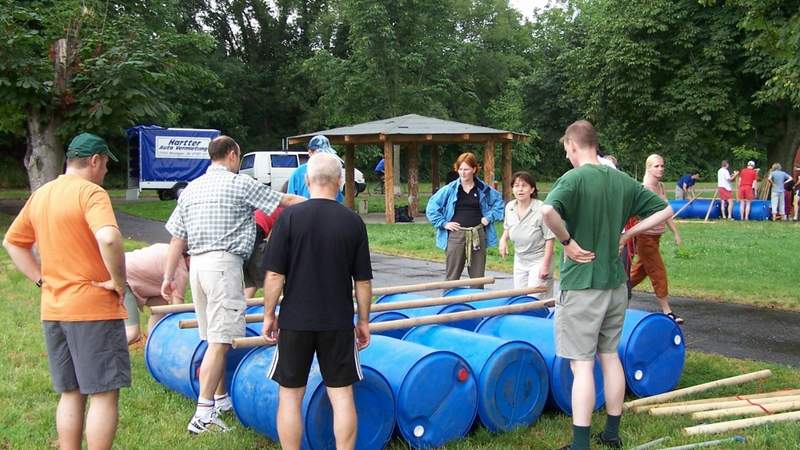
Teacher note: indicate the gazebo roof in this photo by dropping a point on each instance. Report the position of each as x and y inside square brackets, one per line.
[412, 128]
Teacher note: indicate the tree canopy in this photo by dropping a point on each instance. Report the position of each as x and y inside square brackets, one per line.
[696, 81]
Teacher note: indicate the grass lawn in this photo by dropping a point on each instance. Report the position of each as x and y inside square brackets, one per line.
[726, 261]
[151, 417]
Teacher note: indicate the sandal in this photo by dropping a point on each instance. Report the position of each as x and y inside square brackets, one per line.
[677, 319]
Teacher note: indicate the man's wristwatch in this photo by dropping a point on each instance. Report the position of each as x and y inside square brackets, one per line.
[566, 241]
[38, 283]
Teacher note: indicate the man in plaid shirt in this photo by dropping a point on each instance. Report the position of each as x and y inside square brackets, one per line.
[214, 221]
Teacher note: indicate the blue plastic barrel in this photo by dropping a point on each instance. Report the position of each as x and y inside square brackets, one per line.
[436, 395]
[699, 208]
[501, 301]
[653, 352]
[512, 375]
[541, 334]
[387, 316]
[759, 210]
[467, 324]
[678, 208]
[255, 401]
[173, 355]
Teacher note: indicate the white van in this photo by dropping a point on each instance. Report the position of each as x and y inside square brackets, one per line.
[274, 167]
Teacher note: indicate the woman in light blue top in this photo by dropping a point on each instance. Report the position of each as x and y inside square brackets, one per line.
[776, 179]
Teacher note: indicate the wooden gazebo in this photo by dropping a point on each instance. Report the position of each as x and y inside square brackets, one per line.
[412, 130]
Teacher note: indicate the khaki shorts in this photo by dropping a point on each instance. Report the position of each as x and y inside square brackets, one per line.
[218, 293]
[589, 321]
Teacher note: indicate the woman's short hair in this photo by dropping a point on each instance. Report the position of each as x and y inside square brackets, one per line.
[528, 178]
[468, 158]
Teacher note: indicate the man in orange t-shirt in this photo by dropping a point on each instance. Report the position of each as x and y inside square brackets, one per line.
[747, 185]
[82, 277]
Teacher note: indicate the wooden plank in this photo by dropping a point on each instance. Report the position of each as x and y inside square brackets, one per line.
[388, 180]
[507, 171]
[413, 179]
[434, 167]
[488, 163]
[349, 176]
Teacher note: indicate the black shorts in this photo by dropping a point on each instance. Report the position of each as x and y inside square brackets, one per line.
[90, 356]
[336, 353]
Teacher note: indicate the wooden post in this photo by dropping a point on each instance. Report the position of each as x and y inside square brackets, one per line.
[434, 168]
[488, 163]
[388, 180]
[413, 179]
[507, 171]
[349, 176]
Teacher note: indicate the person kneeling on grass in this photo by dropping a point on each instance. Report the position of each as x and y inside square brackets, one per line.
[145, 274]
[317, 251]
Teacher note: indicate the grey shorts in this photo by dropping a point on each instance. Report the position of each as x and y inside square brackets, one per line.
[90, 356]
[218, 293]
[253, 272]
[589, 321]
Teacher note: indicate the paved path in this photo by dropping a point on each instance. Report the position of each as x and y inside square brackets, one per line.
[739, 331]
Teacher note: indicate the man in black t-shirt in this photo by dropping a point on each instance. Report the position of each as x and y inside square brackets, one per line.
[315, 254]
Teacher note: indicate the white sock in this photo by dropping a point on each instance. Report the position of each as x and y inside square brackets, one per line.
[223, 399]
[204, 408]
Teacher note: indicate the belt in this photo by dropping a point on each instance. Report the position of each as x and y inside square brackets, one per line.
[472, 241]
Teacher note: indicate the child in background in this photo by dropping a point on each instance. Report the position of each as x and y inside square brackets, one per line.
[533, 241]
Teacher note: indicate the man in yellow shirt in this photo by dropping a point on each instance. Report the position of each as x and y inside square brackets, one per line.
[82, 277]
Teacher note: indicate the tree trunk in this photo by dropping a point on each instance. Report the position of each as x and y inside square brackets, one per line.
[44, 158]
[784, 150]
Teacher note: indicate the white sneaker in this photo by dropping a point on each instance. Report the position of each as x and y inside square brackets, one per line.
[214, 425]
[223, 405]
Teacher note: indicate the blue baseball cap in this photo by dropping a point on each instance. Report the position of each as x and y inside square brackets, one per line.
[320, 143]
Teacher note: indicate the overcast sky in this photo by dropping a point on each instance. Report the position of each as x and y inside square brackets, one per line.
[526, 6]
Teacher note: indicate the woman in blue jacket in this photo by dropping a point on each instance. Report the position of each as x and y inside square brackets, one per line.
[463, 212]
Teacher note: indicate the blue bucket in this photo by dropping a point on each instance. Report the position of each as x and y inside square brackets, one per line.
[255, 401]
[512, 376]
[653, 352]
[467, 324]
[173, 355]
[436, 395]
[502, 301]
[541, 334]
[759, 210]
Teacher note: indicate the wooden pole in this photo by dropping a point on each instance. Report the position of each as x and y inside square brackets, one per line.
[413, 179]
[507, 171]
[488, 163]
[710, 206]
[722, 427]
[781, 393]
[739, 379]
[187, 307]
[434, 168]
[423, 320]
[688, 409]
[388, 180]
[408, 304]
[749, 410]
[349, 176]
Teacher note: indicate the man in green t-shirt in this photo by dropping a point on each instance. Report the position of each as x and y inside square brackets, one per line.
[587, 209]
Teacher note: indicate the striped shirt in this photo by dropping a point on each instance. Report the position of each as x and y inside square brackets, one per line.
[215, 212]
